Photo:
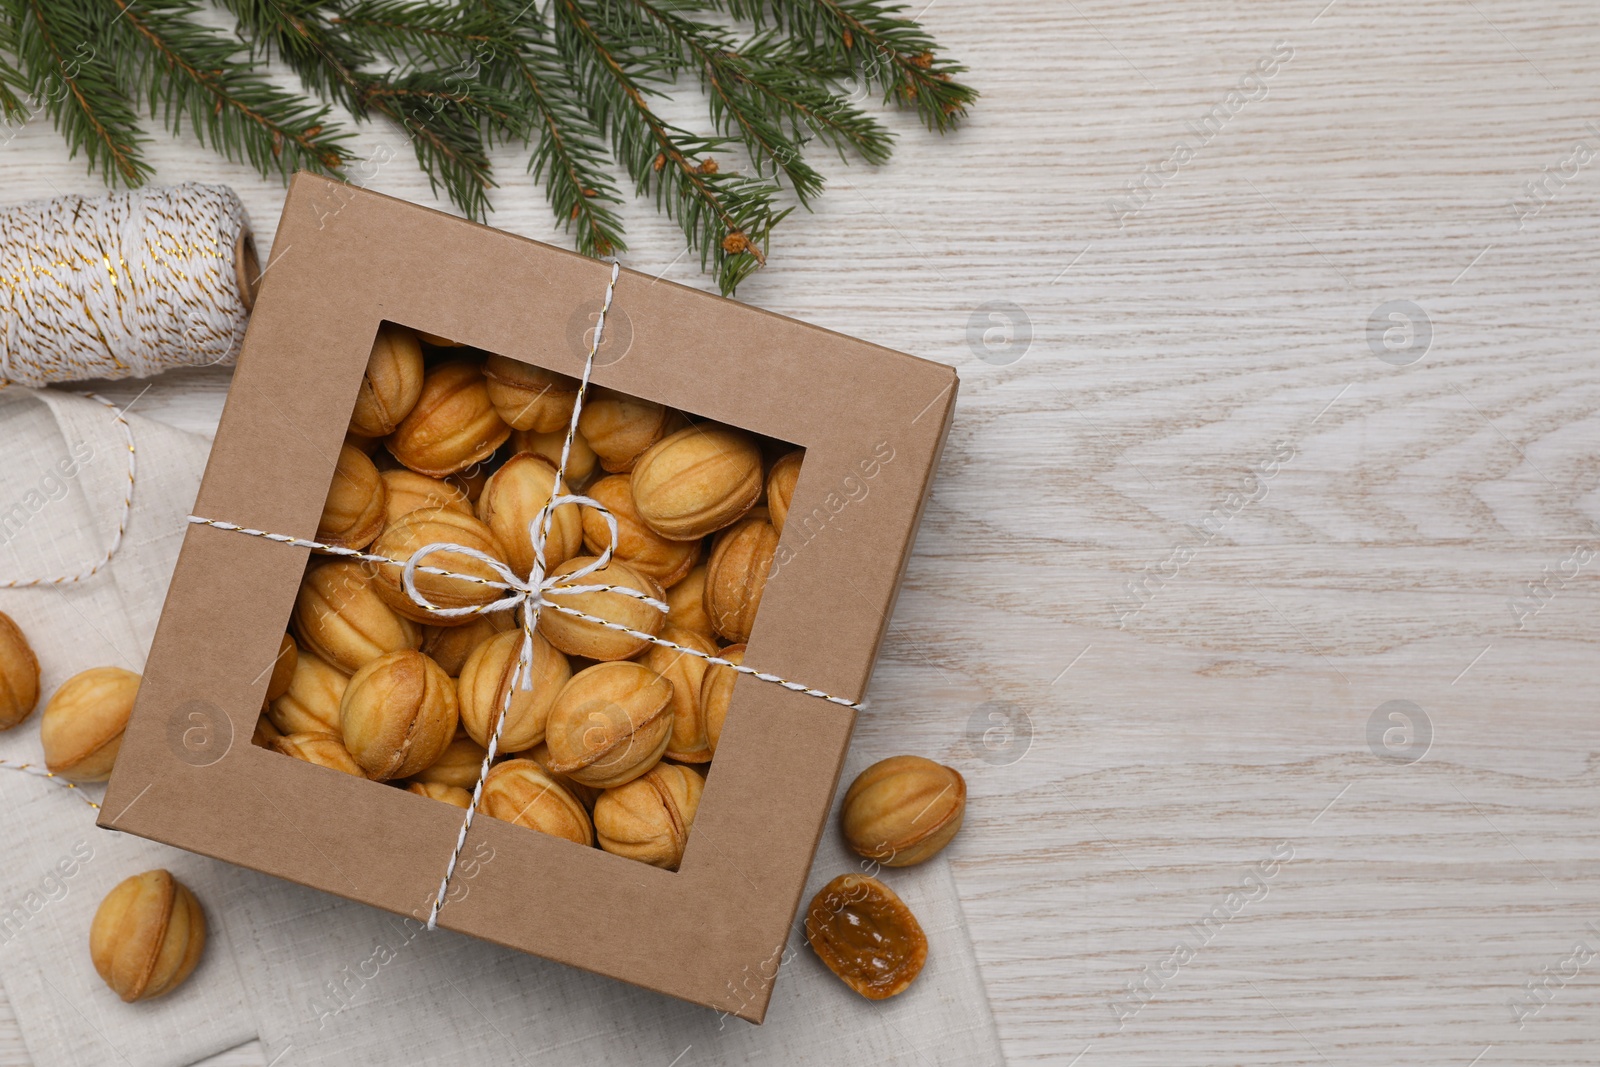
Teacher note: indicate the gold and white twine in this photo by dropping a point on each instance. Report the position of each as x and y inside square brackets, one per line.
[529, 596]
[120, 286]
[91, 569]
[41, 772]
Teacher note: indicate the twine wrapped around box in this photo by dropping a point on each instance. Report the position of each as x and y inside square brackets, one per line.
[530, 594]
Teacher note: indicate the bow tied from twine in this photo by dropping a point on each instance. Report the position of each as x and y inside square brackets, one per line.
[528, 595]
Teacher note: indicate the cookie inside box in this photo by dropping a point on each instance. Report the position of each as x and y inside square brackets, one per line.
[664, 529]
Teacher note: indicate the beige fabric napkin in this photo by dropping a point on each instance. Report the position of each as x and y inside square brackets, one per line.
[63, 474]
[324, 980]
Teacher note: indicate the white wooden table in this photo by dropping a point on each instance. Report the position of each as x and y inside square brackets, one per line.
[1166, 677]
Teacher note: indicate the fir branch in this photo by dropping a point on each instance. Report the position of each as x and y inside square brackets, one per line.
[897, 54]
[62, 54]
[804, 85]
[757, 118]
[757, 93]
[12, 82]
[447, 118]
[568, 156]
[727, 217]
[446, 134]
[297, 31]
[195, 71]
[405, 33]
[575, 87]
[886, 49]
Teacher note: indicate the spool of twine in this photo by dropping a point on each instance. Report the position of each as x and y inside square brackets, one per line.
[124, 286]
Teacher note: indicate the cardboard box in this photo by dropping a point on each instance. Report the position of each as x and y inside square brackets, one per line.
[872, 422]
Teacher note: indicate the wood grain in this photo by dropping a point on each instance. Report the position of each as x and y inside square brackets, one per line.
[1133, 757]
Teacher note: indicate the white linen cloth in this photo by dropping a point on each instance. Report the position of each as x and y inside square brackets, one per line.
[52, 524]
[324, 980]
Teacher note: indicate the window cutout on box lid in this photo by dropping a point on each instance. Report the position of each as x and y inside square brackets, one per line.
[611, 745]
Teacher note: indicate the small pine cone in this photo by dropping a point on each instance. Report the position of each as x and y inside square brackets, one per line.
[661, 161]
[735, 243]
[707, 166]
[923, 61]
[849, 40]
